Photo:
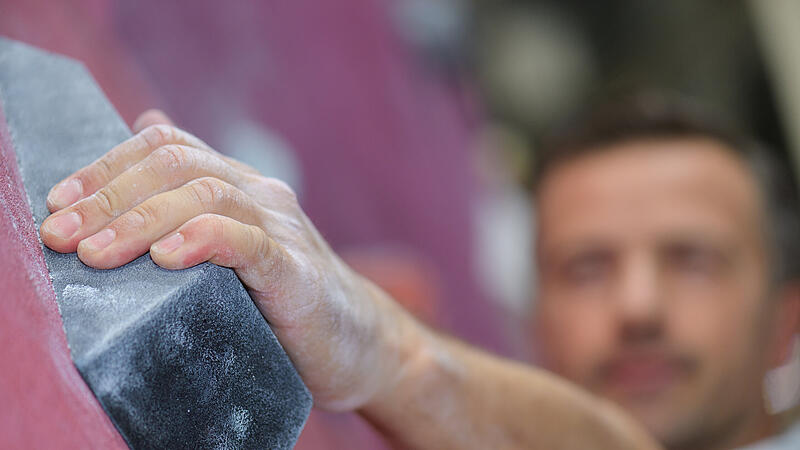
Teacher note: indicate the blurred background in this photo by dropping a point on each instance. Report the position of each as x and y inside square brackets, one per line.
[409, 127]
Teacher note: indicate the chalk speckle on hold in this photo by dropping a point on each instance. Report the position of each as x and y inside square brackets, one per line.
[240, 421]
[72, 291]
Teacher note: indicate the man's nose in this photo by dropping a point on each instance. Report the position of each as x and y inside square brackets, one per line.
[639, 297]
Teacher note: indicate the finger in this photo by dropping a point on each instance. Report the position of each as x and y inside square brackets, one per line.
[165, 169]
[149, 118]
[89, 179]
[131, 234]
[263, 265]
[218, 239]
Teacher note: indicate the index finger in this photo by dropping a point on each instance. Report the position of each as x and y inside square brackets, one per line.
[89, 179]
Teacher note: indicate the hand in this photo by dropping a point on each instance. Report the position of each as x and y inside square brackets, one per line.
[167, 192]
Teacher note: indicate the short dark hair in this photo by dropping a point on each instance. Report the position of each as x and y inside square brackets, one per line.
[646, 116]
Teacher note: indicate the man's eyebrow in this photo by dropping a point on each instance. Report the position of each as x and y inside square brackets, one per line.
[560, 249]
[719, 239]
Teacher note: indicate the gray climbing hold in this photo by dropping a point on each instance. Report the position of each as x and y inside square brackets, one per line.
[178, 359]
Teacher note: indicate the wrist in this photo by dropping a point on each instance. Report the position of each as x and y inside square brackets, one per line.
[423, 369]
[418, 406]
[403, 348]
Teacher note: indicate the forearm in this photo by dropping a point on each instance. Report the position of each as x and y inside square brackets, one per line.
[448, 395]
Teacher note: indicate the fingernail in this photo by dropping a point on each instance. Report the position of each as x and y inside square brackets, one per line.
[64, 226]
[101, 240]
[169, 244]
[66, 193]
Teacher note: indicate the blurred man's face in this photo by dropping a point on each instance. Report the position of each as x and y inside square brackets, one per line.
[654, 284]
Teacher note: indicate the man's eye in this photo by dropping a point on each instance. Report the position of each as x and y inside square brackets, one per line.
[694, 259]
[587, 268]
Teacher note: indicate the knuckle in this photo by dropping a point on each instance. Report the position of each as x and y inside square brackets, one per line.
[107, 201]
[280, 189]
[213, 226]
[263, 245]
[145, 214]
[207, 191]
[158, 135]
[174, 156]
[98, 173]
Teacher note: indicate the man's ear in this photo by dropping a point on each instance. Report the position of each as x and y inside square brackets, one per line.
[787, 323]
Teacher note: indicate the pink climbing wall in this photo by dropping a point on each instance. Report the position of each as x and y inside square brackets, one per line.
[44, 402]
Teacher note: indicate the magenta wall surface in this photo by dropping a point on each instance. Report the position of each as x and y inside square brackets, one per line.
[45, 403]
